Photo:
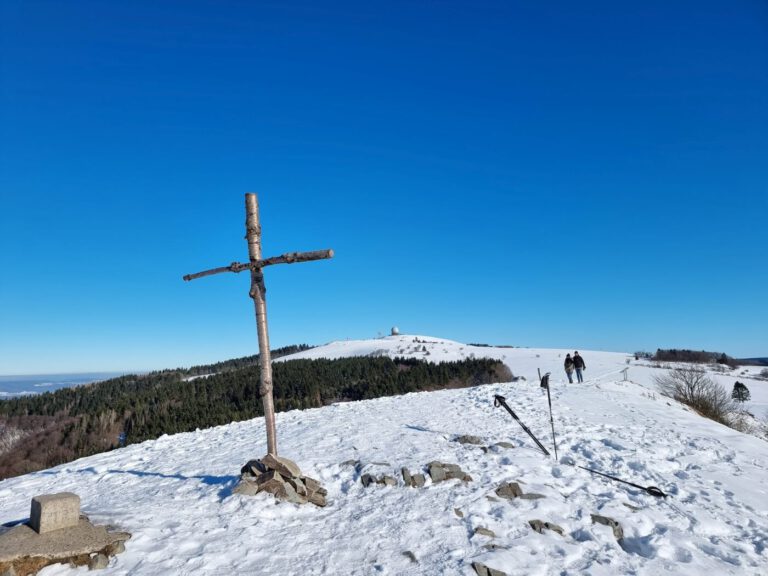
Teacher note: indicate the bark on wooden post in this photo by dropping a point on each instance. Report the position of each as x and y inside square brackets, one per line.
[253, 233]
[256, 264]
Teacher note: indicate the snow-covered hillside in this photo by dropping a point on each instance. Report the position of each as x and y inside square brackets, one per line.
[174, 494]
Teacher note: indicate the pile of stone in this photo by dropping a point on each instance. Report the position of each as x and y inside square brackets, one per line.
[282, 478]
[57, 534]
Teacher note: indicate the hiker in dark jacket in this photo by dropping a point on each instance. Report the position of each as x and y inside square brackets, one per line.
[568, 365]
[578, 364]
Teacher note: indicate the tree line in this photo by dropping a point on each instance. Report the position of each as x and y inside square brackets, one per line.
[56, 427]
[237, 363]
[697, 356]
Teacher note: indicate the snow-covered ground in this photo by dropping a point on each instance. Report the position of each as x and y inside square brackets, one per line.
[174, 493]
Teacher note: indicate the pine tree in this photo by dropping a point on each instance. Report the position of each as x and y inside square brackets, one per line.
[740, 392]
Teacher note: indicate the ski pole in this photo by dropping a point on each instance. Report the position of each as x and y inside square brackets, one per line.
[652, 490]
[545, 384]
[501, 401]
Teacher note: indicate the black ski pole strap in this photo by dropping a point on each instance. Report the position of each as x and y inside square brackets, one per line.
[501, 401]
[652, 490]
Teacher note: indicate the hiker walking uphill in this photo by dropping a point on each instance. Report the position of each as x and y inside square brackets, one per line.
[578, 364]
[568, 365]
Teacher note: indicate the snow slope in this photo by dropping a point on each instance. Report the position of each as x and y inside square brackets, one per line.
[174, 493]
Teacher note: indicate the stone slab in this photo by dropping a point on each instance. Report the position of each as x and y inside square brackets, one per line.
[318, 499]
[312, 484]
[286, 467]
[483, 570]
[437, 472]
[54, 511]
[85, 538]
[246, 487]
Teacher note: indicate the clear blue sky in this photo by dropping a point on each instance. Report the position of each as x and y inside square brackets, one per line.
[560, 174]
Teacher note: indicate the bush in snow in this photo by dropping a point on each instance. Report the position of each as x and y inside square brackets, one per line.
[693, 387]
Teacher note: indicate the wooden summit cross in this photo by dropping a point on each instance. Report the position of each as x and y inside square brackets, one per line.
[257, 292]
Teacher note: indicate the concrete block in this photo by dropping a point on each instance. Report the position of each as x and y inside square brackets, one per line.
[54, 511]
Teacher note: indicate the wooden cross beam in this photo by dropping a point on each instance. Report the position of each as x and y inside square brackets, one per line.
[258, 293]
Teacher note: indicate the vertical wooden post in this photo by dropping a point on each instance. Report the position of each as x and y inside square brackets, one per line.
[253, 234]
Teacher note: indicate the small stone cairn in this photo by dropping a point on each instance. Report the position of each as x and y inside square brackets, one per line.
[282, 478]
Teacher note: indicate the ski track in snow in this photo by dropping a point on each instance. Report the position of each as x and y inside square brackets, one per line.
[174, 494]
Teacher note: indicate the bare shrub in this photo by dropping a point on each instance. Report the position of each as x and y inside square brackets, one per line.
[694, 388]
[744, 421]
[9, 437]
[764, 426]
